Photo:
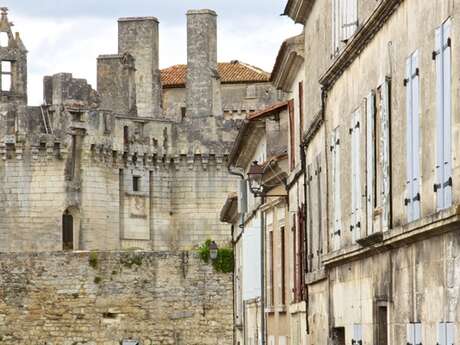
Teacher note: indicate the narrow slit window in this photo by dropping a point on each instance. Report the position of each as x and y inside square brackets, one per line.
[136, 183]
[6, 75]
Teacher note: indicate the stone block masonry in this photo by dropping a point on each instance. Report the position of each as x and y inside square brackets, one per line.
[106, 297]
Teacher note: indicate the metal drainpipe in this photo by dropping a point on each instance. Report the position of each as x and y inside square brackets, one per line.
[262, 274]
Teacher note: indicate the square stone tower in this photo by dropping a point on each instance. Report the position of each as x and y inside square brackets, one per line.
[203, 80]
[139, 36]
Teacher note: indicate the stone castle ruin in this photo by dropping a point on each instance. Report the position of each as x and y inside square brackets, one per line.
[138, 163]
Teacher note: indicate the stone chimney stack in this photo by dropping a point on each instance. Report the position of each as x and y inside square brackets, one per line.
[139, 37]
[203, 81]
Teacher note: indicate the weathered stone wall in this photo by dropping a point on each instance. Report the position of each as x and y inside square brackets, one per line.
[105, 297]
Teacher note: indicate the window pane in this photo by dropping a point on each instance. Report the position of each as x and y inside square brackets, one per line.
[6, 66]
[6, 82]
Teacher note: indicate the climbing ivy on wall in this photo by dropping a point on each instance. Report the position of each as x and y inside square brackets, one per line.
[223, 263]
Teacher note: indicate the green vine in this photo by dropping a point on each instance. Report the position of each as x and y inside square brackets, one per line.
[223, 263]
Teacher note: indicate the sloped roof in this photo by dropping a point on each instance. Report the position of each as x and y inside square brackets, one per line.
[230, 73]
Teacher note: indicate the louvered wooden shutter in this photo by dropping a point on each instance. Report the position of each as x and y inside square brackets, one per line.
[349, 18]
[310, 253]
[446, 333]
[356, 176]
[320, 207]
[370, 162]
[443, 185]
[292, 151]
[302, 256]
[412, 200]
[385, 155]
[335, 149]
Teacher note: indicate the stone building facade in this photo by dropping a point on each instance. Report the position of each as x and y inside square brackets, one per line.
[373, 164]
[381, 233]
[139, 163]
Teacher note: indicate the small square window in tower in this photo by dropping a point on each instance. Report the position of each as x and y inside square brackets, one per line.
[136, 183]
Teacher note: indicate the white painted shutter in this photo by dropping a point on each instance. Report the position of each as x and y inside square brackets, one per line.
[442, 333]
[409, 141]
[357, 334]
[320, 209]
[410, 334]
[349, 18]
[415, 83]
[335, 148]
[447, 93]
[439, 122]
[370, 161]
[353, 178]
[450, 333]
[412, 200]
[443, 185]
[418, 334]
[385, 156]
[251, 261]
[356, 177]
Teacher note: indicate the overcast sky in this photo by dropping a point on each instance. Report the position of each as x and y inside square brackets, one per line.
[68, 35]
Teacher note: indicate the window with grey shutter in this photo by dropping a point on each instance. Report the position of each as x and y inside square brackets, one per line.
[355, 132]
[412, 200]
[344, 22]
[310, 254]
[318, 172]
[370, 162]
[357, 335]
[385, 154]
[414, 333]
[442, 56]
[446, 333]
[335, 150]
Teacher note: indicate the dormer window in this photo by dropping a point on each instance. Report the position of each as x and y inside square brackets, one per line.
[4, 39]
[5, 71]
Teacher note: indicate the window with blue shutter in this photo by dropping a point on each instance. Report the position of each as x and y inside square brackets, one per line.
[385, 163]
[344, 22]
[414, 333]
[412, 82]
[335, 157]
[442, 56]
[446, 333]
[370, 161]
[355, 132]
[357, 335]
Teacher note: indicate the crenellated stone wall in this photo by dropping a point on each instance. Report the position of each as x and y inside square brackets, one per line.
[104, 298]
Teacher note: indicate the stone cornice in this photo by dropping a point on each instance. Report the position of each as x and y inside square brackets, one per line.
[313, 129]
[359, 41]
[298, 10]
[434, 225]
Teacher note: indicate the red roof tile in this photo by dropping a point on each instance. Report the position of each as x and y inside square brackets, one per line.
[230, 73]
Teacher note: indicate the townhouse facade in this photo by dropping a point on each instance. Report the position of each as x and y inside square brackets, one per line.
[380, 86]
[371, 195]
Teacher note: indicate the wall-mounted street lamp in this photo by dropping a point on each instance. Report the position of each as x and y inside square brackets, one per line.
[213, 248]
[255, 177]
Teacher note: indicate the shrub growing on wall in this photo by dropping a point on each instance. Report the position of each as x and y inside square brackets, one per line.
[223, 263]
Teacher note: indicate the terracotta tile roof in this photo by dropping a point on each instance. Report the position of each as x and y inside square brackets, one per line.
[230, 73]
[274, 108]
